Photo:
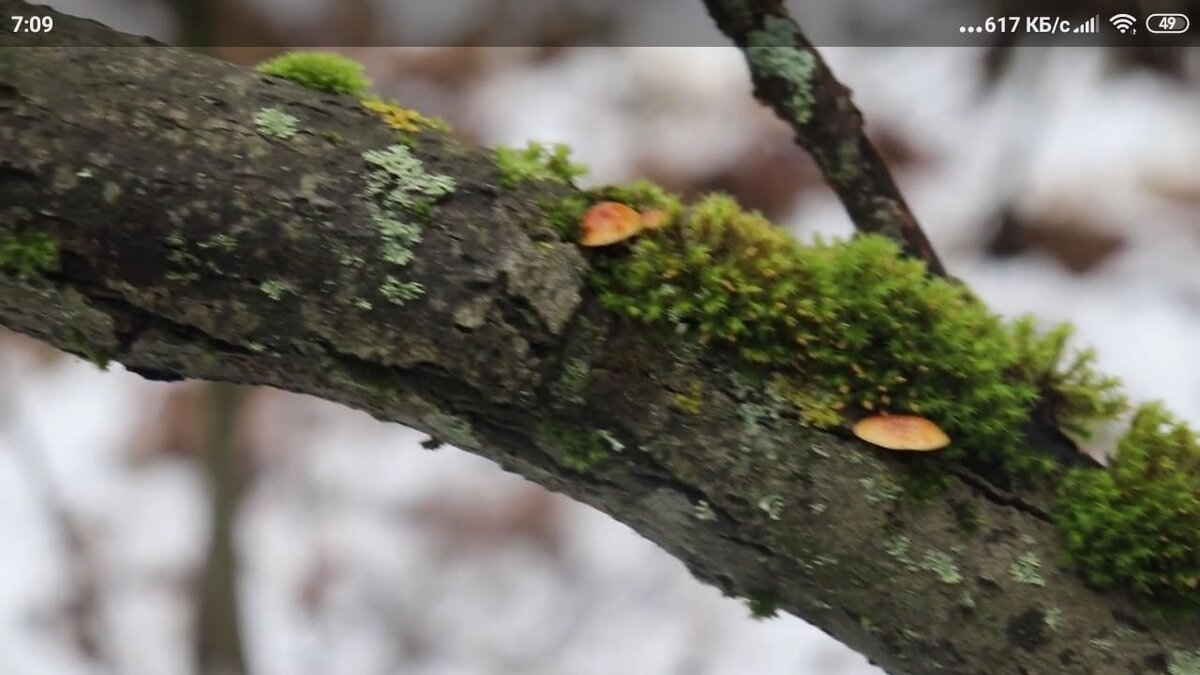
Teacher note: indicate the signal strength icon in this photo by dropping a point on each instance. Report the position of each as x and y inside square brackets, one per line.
[1092, 25]
[1122, 22]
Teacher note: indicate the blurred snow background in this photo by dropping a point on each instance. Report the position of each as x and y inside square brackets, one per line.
[1066, 183]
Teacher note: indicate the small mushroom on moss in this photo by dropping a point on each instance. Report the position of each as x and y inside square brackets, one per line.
[654, 218]
[901, 432]
[607, 223]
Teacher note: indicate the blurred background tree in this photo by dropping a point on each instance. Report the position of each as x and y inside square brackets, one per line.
[195, 527]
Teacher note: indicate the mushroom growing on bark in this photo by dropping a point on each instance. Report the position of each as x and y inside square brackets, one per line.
[901, 432]
[607, 223]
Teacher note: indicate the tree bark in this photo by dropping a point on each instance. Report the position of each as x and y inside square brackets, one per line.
[193, 246]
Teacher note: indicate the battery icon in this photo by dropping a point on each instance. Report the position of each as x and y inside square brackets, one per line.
[1167, 23]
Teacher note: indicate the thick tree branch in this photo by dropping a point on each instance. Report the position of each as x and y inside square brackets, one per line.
[192, 245]
[791, 77]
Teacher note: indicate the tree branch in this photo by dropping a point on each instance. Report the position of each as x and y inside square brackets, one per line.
[192, 244]
[791, 77]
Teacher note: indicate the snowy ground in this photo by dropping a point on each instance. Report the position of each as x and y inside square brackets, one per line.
[363, 553]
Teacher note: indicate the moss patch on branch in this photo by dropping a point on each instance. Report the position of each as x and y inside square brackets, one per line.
[1136, 524]
[320, 71]
[536, 162]
[27, 253]
[851, 328]
[857, 326]
[1078, 395]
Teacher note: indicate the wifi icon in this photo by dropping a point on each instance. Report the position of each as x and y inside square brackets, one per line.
[1122, 22]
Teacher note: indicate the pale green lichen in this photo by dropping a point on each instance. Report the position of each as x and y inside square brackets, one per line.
[967, 600]
[772, 505]
[275, 288]
[223, 242]
[1102, 644]
[943, 566]
[704, 511]
[1027, 569]
[898, 548]
[1054, 619]
[614, 443]
[1184, 663]
[880, 489]
[398, 193]
[773, 51]
[400, 292]
[275, 123]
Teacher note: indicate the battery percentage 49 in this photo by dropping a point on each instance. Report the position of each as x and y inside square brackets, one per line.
[1167, 23]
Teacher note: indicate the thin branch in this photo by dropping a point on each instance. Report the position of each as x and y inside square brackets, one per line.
[791, 77]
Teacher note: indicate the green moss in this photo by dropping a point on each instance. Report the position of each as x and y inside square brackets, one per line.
[869, 325]
[641, 195]
[77, 342]
[849, 328]
[762, 605]
[399, 195]
[320, 71]
[564, 215]
[1136, 524]
[570, 385]
[1079, 396]
[576, 448]
[275, 123]
[453, 429]
[967, 516]
[536, 162]
[27, 253]
[773, 51]
[331, 137]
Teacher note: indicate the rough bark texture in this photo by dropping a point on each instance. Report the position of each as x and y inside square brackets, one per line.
[798, 85]
[173, 215]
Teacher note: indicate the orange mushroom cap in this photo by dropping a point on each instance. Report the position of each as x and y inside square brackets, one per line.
[654, 218]
[608, 223]
[901, 432]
